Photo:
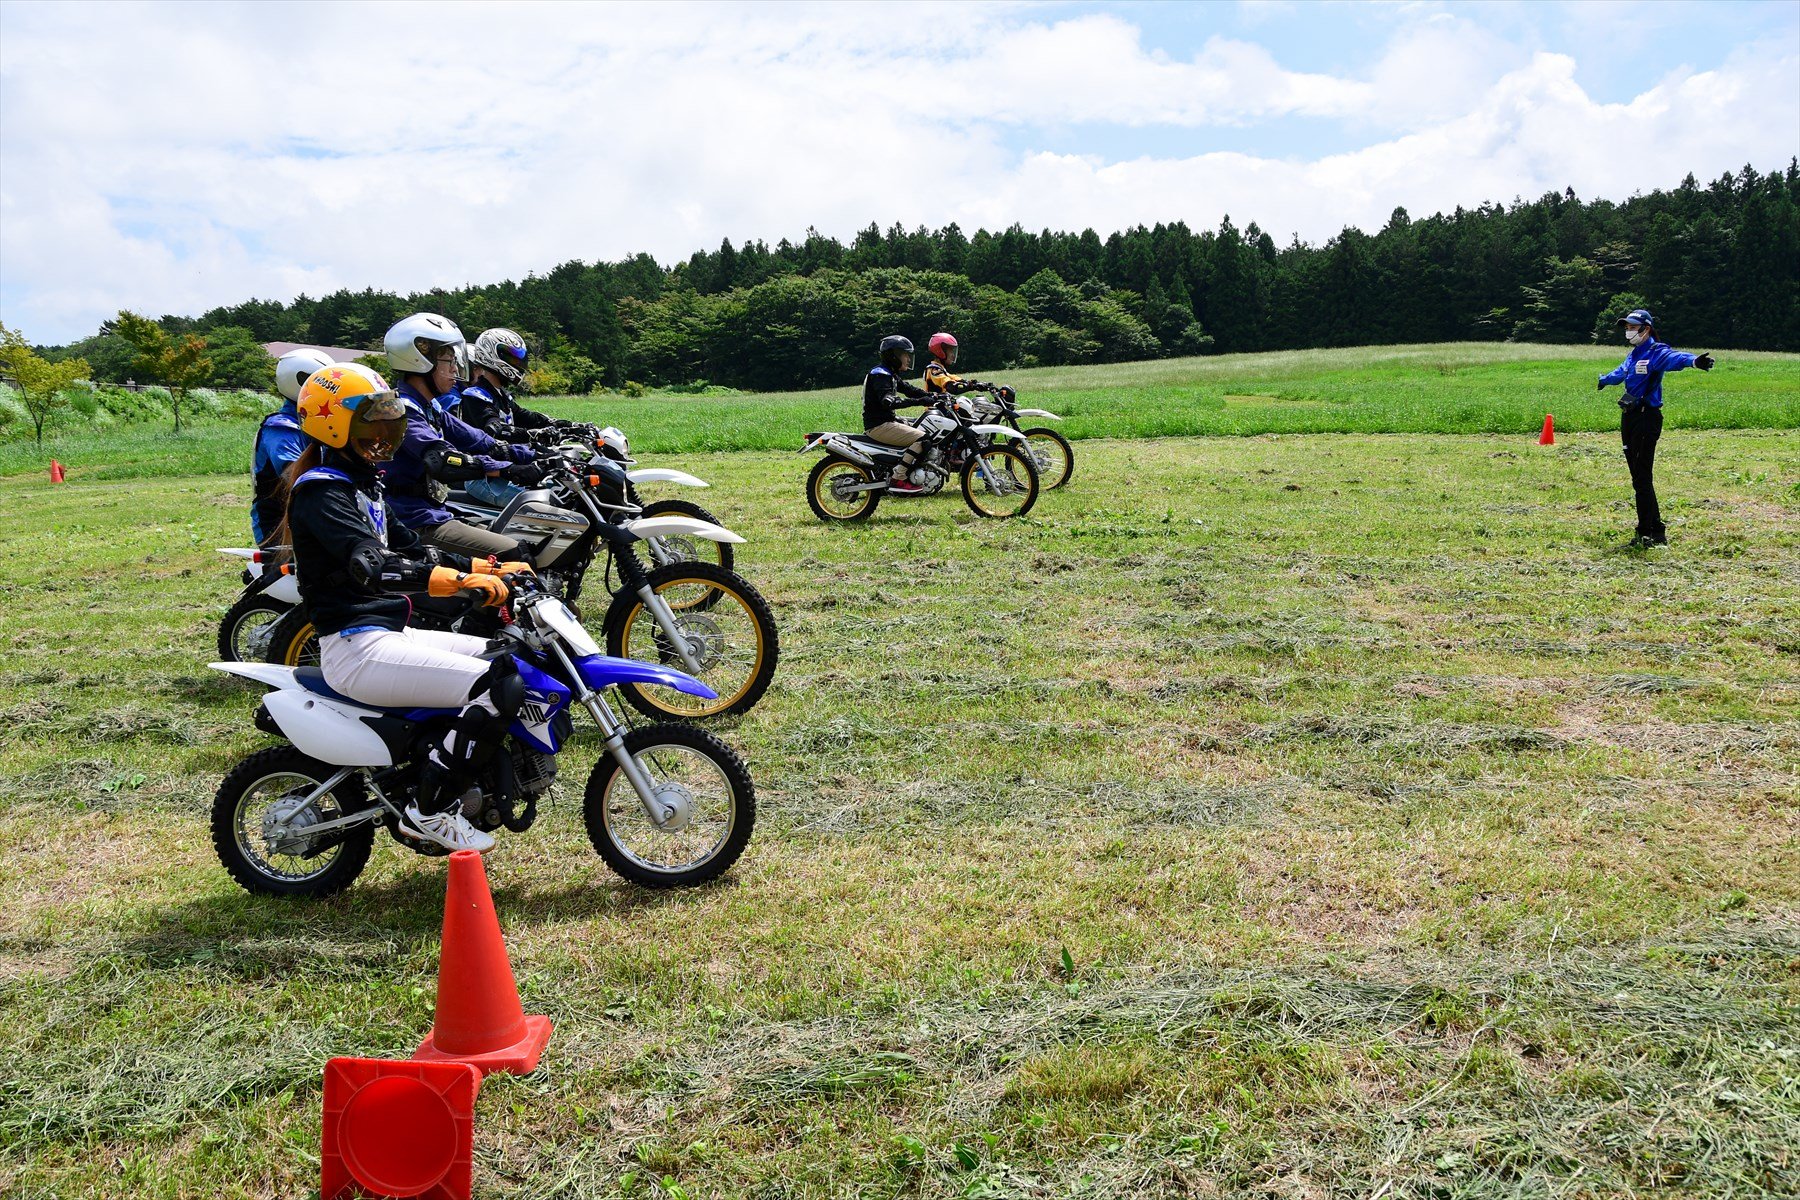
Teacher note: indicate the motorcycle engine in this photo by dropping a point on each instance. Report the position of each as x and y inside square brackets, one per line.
[534, 771]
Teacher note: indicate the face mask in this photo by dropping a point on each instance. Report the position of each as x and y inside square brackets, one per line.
[1636, 336]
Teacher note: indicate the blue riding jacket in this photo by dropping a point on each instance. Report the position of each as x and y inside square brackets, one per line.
[431, 427]
[1643, 368]
[278, 443]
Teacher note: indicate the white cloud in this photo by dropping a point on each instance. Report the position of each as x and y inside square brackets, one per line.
[167, 159]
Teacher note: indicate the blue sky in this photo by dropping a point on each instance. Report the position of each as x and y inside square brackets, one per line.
[172, 157]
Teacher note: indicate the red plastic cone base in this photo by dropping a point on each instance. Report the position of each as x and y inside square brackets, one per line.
[520, 1058]
[398, 1129]
[1548, 437]
[479, 1020]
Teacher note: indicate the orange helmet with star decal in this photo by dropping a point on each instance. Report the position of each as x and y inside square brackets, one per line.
[348, 403]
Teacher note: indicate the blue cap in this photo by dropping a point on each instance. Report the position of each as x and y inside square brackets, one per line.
[1637, 316]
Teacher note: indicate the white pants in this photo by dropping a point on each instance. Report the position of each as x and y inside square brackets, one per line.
[408, 668]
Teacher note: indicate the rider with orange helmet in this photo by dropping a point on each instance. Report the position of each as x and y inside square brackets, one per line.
[355, 565]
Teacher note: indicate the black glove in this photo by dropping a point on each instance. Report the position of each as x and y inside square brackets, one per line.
[1600, 386]
[524, 473]
[1703, 361]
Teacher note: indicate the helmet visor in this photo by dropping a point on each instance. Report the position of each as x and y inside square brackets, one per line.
[377, 425]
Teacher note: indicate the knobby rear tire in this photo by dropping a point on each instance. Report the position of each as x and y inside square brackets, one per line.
[348, 857]
[851, 512]
[239, 624]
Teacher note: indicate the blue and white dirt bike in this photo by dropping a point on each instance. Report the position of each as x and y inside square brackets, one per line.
[667, 805]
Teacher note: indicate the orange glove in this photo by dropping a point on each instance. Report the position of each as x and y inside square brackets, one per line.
[447, 581]
[487, 566]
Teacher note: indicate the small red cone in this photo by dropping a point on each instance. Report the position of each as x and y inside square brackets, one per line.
[398, 1129]
[1548, 437]
[479, 1019]
[56, 471]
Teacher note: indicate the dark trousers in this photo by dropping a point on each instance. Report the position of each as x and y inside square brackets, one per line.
[1639, 428]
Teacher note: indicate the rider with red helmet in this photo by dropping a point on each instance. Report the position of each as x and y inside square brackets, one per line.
[938, 378]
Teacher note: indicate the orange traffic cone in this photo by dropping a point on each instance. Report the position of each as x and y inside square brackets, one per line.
[1548, 437]
[56, 471]
[479, 1020]
[398, 1129]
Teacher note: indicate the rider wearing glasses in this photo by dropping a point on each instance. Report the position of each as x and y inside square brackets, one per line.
[440, 448]
[356, 564]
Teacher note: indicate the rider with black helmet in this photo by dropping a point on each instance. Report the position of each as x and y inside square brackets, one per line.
[884, 390]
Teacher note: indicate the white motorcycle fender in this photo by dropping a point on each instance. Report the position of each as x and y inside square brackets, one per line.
[286, 589]
[328, 730]
[666, 475]
[1038, 412]
[236, 551]
[997, 431]
[672, 526]
[267, 674]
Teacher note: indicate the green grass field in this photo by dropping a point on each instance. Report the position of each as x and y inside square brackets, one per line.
[1297, 815]
[1477, 387]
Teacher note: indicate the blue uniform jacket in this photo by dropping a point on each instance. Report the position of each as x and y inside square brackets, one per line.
[1643, 368]
[428, 424]
[278, 443]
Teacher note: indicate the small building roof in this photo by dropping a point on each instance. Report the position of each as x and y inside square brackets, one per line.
[338, 353]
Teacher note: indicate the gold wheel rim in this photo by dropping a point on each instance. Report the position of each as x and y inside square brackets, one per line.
[974, 490]
[295, 655]
[822, 489]
[706, 708]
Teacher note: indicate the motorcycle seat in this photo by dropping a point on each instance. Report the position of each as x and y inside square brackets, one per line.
[313, 680]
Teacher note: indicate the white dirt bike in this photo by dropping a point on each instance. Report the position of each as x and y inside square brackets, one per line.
[666, 805]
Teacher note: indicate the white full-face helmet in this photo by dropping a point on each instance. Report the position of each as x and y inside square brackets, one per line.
[413, 341]
[292, 369]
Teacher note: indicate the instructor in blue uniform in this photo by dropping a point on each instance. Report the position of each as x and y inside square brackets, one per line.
[1640, 422]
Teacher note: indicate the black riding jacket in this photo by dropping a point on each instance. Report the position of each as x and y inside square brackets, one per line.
[492, 409]
[882, 392]
[351, 559]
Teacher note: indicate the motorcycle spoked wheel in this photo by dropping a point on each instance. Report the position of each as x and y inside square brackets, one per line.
[1051, 454]
[823, 499]
[687, 549]
[692, 770]
[738, 644]
[244, 630]
[293, 642]
[270, 778]
[1012, 470]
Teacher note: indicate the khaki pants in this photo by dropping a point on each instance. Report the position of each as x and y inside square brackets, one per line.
[471, 540]
[897, 434]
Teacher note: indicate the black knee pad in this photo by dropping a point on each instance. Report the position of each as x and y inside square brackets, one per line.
[503, 687]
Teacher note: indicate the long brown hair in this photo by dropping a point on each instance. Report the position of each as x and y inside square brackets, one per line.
[312, 456]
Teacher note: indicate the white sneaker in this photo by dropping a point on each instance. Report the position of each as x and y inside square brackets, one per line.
[449, 829]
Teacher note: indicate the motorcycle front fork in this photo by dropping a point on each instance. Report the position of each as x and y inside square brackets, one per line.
[614, 733]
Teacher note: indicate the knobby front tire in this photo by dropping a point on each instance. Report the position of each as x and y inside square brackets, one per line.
[691, 549]
[1052, 455]
[705, 774]
[735, 627]
[1016, 475]
[293, 642]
